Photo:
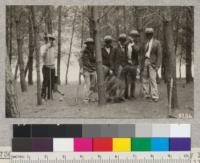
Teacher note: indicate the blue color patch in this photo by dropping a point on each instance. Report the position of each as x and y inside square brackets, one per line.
[159, 144]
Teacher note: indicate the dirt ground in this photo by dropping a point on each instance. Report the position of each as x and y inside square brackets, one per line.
[136, 108]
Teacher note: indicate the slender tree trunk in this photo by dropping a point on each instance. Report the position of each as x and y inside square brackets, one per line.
[82, 37]
[188, 46]
[9, 27]
[59, 42]
[11, 94]
[11, 34]
[100, 75]
[91, 21]
[35, 28]
[171, 56]
[125, 21]
[31, 51]
[20, 57]
[180, 64]
[48, 20]
[8, 19]
[70, 49]
[117, 24]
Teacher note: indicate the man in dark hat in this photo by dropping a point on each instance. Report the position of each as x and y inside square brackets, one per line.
[120, 54]
[47, 51]
[107, 53]
[88, 63]
[120, 60]
[151, 62]
[133, 53]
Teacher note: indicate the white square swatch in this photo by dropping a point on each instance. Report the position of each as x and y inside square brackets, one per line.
[63, 144]
[180, 130]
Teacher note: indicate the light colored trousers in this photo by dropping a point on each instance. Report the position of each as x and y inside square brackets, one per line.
[90, 79]
[149, 83]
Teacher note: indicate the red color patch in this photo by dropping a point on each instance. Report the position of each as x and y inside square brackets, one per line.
[102, 144]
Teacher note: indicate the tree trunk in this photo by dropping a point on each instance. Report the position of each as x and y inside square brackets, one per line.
[91, 21]
[125, 22]
[59, 42]
[188, 46]
[11, 94]
[20, 57]
[31, 51]
[9, 34]
[100, 75]
[117, 24]
[82, 38]
[171, 56]
[35, 29]
[48, 20]
[70, 49]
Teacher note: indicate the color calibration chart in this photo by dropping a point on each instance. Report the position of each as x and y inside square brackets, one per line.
[101, 138]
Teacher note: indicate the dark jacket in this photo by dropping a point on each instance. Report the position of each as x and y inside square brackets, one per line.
[155, 55]
[120, 57]
[88, 60]
[135, 55]
[107, 59]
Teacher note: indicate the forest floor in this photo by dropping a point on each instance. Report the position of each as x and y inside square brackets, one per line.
[136, 108]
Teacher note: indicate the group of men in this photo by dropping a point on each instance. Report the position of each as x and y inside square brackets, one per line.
[120, 65]
[122, 61]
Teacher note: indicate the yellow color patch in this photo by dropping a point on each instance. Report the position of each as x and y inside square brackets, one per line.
[121, 144]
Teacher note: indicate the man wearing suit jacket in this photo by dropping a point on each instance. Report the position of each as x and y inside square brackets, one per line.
[107, 52]
[120, 59]
[150, 64]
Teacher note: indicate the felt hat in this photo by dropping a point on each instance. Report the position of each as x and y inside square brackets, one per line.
[122, 36]
[89, 40]
[108, 38]
[134, 33]
[149, 30]
[50, 36]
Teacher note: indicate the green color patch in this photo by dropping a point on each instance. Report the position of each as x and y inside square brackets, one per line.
[141, 144]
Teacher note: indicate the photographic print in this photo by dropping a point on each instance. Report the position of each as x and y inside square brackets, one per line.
[99, 62]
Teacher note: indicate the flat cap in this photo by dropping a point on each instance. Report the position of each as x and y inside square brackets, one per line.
[134, 32]
[89, 40]
[122, 36]
[108, 38]
[149, 30]
[50, 36]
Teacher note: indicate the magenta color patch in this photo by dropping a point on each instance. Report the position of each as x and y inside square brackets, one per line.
[82, 144]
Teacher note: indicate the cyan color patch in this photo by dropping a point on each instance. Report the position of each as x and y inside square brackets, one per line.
[160, 144]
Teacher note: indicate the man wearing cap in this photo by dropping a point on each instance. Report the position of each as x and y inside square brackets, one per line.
[89, 67]
[107, 53]
[133, 53]
[150, 64]
[120, 59]
[120, 54]
[47, 51]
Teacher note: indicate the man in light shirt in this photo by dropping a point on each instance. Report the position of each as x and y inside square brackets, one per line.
[133, 54]
[47, 51]
[151, 62]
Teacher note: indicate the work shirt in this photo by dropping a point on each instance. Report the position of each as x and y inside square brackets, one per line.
[48, 54]
[148, 48]
[130, 46]
[108, 50]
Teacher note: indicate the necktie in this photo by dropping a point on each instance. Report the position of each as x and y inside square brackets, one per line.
[147, 48]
